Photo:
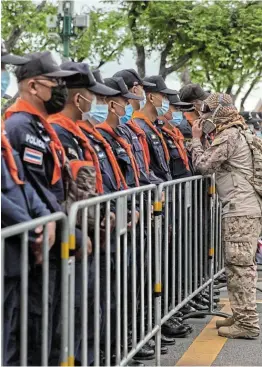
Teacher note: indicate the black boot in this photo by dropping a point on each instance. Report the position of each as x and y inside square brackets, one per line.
[145, 353]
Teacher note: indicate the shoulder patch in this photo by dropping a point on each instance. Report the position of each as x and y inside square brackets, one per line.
[33, 156]
[219, 141]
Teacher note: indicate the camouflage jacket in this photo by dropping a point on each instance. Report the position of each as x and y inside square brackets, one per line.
[229, 148]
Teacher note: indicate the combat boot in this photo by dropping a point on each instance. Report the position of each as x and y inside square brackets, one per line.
[236, 332]
[226, 322]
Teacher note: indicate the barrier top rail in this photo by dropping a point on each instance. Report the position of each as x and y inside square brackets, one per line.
[32, 224]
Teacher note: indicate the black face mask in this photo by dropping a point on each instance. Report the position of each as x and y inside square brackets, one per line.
[57, 101]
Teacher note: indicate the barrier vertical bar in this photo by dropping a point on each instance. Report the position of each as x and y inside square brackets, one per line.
[24, 299]
[45, 270]
[174, 227]
[185, 244]
[97, 287]
[166, 248]
[71, 346]
[157, 286]
[134, 272]
[64, 295]
[201, 233]
[84, 296]
[108, 286]
[149, 261]
[196, 234]
[179, 243]
[125, 303]
[212, 193]
[190, 230]
[142, 267]
[118, 284]
[3, 298]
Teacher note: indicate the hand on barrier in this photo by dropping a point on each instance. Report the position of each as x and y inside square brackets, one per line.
[103, 228]
[79, 253]
[37, 247]
[197, 129]
[129, 224]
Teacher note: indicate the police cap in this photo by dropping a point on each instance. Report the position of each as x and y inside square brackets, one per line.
[131, 78]
[191, 92]
[41, 63]
[159, 85]
[84, 78]
[119, 84]
[251, 117]
[183, 106]
[98, 76]
[7, 58]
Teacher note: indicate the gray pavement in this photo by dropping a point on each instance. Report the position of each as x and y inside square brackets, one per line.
[234, 352]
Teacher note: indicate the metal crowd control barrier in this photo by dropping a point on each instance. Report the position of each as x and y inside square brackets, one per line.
[189, 236]
[154, 249]
[22, 231]
[119, 276]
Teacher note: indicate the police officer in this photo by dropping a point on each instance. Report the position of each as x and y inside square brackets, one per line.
[19, 203]
[179, 163]
[121, 149]
[193, 93]
[157, 105]
[130, 130]
[42, 93]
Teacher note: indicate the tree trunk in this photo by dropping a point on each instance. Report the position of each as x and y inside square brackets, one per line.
[141, 60]
[133, 14]
[185, 76]
[17, 31]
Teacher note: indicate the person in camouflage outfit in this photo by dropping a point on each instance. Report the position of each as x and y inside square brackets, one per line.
[230, 158]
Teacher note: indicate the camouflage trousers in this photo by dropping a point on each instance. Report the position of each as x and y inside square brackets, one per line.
[239, 236]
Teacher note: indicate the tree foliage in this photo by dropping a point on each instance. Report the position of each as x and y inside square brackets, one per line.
[218, 43]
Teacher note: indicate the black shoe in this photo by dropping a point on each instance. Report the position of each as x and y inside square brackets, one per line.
[172, 329]
[146, 352]
[167, 340]
[178, 314]
[181, 323]
[198, 306]
[132, 362]
[152, 345]
[187, 309]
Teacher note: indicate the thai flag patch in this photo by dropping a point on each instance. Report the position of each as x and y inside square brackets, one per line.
[33, 156]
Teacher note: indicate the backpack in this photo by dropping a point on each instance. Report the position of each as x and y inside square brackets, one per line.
[79, 184]
[255, 145]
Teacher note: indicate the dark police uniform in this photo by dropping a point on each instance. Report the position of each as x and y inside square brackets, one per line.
[158, 161]
[19, 203]
[124, 131]
[28, 136]
[122, 158]
[177, 166]
[109, 181]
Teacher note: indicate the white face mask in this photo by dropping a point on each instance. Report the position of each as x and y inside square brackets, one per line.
[87, 116]
[143, 102]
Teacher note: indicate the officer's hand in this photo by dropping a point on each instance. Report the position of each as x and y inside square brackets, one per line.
[51, 233]
[79, 253]
[39, 238]
[129, 225]
[197, 129]
[112, 222]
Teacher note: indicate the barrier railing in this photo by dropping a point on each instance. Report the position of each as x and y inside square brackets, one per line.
[124, 273]
[153, 250]
[20, 236]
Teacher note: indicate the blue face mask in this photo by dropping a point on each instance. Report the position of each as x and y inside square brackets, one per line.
[143, 102]
[177, 117]
[259, 134]
[5, 80]
[161, 111]
[99, 113]
[87, 116]
[128, 115]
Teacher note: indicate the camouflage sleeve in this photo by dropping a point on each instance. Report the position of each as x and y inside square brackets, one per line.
[208, 161]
